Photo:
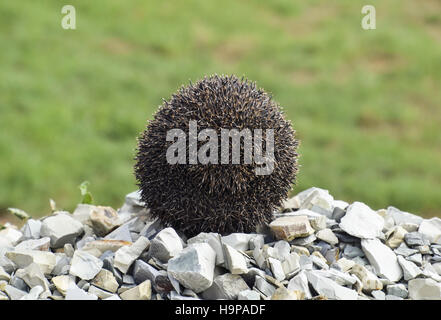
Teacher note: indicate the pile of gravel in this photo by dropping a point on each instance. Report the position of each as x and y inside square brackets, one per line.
[315, 248]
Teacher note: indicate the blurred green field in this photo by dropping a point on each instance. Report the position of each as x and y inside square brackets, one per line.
[366, 104]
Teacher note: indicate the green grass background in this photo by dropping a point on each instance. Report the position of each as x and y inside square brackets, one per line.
[366, 104]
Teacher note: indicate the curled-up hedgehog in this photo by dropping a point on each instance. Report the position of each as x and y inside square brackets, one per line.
[219, 156]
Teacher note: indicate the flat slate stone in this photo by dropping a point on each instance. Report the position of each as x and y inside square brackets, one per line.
[362, 222]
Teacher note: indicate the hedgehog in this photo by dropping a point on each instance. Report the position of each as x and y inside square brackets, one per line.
[216, 196]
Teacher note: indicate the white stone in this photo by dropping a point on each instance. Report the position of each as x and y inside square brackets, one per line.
[239, 241]
[42, 244]
[9, 237]
[226, 286]
[194, 267]
[126, 255]
[235, 261]
[300, 283]
[319, 201]
[401, 217]
[410, 269]
[424, 289]
[431, 229]
[75, 293]
[276, 269]
[382, 258]
[61, 229]
[330, 289]
[328, 236]
[113, 297]
[84, 265]
[33, 276]
[248, 295]
[282, 249]
[31, 229]
[166, 245]
[213, 239]
[33, 294]
[291, 203]
[22, 258]
[378, 295]
[437, 267]
[362, 222]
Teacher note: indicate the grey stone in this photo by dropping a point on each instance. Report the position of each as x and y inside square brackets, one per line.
[248, 295]
[22, 258]
[382, 258]
[61, 229]
[305, 262]
[378, 295]
[173, 295]
[239, 241]
[194, 267]
[413, 239]
[18, 283]
[410, 270]
[84, 265]
[9, 237]
[398, 290]
[431, 229]
[108, 265]
[416, 258]
[14, 293]
[143, 271]
[5, 262]
[33, 276]
[33, 294]
[151, 229]
[166, 245]
[62, 264]
[226, 286]
[31, 229]
[300, 283]
[128, 279]
[404, 250]
[264, 287]
[304, 241]
[392, 297]
[75, 293]
[125, 256]
[42, 244]
[330, 289]
[213, 239]
[401, 217]
[337, 214]
[120, 233]
[319, 201]
[362, 222]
